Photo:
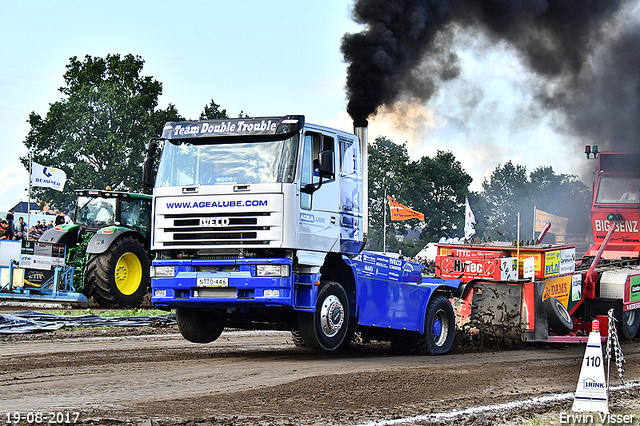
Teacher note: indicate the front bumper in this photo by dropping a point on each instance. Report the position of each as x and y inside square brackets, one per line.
[225, 283]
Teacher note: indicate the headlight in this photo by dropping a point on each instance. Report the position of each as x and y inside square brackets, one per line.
[272, 270]
[162, 271]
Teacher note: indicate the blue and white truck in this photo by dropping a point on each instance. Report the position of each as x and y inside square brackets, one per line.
[259, 223]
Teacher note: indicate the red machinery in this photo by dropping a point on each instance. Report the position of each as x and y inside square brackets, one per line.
[539, 292]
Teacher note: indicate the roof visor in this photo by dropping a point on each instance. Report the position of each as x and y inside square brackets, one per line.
[259, 126]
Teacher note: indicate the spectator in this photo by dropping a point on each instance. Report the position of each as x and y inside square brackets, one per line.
[21, 226]
[59, 219]
[34, 234]
[9, 228]
[6, 235]
[50, 225]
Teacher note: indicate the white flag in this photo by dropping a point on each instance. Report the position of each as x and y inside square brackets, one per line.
[47, 176]
[469, 221]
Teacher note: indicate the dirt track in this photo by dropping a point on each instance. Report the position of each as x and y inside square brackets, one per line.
[119, 376]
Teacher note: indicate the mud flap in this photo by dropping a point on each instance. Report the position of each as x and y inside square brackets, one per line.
[490, 314]
[540, 327]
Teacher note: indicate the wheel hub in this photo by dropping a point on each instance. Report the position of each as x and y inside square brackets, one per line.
[440, 328]
[128, 273]
[331, 316]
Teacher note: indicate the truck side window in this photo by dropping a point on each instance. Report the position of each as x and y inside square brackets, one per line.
[347, 157]
[313, 144]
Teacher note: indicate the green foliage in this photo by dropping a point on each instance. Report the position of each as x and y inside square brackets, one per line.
[509, 190]
[434, 186]
[212, 112]
[96, 133]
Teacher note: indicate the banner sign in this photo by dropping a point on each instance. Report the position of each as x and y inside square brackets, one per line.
[49, 177]
[558, 223]
[400, 212]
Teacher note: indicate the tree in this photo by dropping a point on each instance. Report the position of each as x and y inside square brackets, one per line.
[507, 192]
[510, 191]
[439, 188]
[98, 131]
[434, 186]
[212, 112]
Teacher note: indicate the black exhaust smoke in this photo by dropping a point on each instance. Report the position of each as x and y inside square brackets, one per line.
[556, 39]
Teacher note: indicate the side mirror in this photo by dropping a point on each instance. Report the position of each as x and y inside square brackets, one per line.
[147, 167]
[326, 163]
[325, 170]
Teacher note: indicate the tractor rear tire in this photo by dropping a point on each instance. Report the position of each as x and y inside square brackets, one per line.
[199, 325]
[118, 277]
[557, 316]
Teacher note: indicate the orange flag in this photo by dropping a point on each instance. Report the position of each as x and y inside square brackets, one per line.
[400, 212]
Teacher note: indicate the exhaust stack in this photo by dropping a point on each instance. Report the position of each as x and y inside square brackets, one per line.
[361, 133]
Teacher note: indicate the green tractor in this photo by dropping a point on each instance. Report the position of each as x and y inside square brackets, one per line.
[108, 246]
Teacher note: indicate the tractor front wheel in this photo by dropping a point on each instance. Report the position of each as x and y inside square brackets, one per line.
[119, 277]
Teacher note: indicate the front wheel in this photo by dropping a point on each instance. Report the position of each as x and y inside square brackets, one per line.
[327, 327]
[630, 324]
[199, 325]
[440, 327]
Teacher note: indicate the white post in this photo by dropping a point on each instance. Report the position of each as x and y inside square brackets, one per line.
[534, 224]
[384, 223]
[29, 197]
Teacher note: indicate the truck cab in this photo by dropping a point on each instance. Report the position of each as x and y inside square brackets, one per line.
[616, 203]
[259, 223]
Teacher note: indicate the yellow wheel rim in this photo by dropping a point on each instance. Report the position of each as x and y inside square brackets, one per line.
[128, 273]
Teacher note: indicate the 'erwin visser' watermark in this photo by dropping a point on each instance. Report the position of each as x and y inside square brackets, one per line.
[600, 418]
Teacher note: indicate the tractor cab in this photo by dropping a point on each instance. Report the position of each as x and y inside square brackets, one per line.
[97, 209]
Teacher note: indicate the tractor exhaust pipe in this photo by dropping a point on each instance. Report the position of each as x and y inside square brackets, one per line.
[361, 133]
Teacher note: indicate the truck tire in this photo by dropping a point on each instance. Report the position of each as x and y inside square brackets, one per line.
[630, 324]
[118, 277]
[439, 330]
[326, 328]
[557, 316]
[298, 341]
[199, 325]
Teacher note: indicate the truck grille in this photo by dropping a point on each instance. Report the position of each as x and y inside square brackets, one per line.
[238, 229]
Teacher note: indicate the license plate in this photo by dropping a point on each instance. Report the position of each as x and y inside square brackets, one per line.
[213, 282]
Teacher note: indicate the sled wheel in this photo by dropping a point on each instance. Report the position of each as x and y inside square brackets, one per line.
[557, 316]
[199, 325]
[327, 327]
[630, 324]
[119, 277]
[297, 339]
[440, 328]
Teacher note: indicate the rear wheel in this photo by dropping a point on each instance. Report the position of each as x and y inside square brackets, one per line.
[630, 324]
[118, 277]
[440, 328]
[199, 325]
[557, 316]
[327, 327]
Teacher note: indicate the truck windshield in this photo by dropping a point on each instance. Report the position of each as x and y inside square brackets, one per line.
[618, 190]
[184, 163]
